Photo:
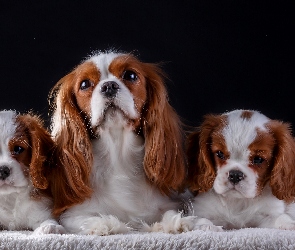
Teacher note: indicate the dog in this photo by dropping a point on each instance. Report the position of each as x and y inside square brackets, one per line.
[24, 150]
[242, 170]
[120, 149]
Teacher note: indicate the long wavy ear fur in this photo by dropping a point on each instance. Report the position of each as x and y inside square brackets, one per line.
[41, 146]
[201, 169]
[164, 160]
[73, 151]
[282, 180]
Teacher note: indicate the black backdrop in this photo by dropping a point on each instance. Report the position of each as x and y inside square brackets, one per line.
[219, 55]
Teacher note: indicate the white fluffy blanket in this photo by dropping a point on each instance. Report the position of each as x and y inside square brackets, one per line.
[249, 238]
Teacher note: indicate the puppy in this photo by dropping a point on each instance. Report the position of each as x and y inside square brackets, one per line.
[242, 168]
[24, 148]
[119, 144]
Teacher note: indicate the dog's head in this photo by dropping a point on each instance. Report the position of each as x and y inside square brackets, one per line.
[24, 149]
[238, 152]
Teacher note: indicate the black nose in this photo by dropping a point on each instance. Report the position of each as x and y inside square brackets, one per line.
[235, 176]
[4, 172]
[109, 89]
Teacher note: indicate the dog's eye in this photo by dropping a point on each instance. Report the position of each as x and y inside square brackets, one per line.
[17, 150]
[220, 155]
[258, 160]
[85, 84]
[130, 76]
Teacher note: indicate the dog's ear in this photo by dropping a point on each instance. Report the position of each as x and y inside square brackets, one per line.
[164, 160]
[193, 152]
[282, 180]
[40, 144]
[201, 169]
[73, 152]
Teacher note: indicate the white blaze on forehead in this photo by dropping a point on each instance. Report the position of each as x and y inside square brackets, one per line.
[102, 61]
[241, 131]
[7, 125]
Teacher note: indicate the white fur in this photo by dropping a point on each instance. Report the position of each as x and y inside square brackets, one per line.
[122, 197]
[264, 211]
[239, 134]
[238, 206]
[124, 98]
[17, 208]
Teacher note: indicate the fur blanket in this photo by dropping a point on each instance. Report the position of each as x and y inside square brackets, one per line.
[250, 238]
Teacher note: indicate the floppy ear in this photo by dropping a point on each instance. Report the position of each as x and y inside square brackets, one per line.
[41, 145]
[164, 160]
[201, 170]
[193, 152]
[73, 151]
[282, 180]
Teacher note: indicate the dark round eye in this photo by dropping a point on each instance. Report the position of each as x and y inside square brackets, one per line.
[220, 155]
[85, 84]
[258, 160]
[130, 76]
[17, 150]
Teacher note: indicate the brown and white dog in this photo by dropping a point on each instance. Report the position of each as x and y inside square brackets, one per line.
[24, 150]
[120, 148]
[242, 168]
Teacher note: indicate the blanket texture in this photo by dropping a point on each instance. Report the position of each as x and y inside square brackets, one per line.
[249, 238]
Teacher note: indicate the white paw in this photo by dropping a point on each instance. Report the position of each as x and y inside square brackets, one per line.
[173, 222]
[185, 224]
[205, 225]
[104, 225]
[50, 229]
[155, 227]
[285, 222]
[288, 227]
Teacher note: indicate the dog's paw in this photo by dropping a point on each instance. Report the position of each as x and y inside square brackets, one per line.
[104, 225]
[155, 227]
[49, 227]
[174, 222]
[290, 226]
[285, 222]
[205, 225]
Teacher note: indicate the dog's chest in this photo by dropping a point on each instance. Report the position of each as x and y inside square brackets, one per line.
[118, 160]
[119, 181]
[234, 213]
[10, 209]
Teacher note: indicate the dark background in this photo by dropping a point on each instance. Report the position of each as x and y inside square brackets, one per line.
[219, 55]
